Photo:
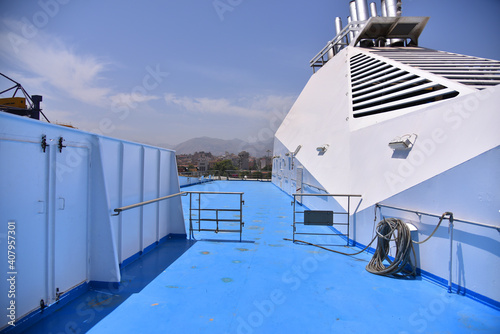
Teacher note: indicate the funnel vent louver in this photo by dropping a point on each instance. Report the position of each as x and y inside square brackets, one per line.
[379, 87]
[474, 72]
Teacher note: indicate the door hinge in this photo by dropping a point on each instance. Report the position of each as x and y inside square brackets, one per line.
[60, 144]
[43, 143]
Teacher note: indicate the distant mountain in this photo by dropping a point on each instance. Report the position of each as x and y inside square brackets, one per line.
[220, 146]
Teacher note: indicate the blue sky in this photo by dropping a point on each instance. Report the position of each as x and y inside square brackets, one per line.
[163, 72]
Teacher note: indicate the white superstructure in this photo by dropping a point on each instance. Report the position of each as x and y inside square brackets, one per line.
[406, 127]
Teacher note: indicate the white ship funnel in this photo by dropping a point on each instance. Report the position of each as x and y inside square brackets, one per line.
[373, 9]
[362, 10]
[366, 28]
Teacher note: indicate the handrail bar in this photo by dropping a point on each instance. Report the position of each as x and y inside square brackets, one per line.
[214, 192]
[132, 206]
[438, 216]
[182, 193]
[313, 186]
[330, 195]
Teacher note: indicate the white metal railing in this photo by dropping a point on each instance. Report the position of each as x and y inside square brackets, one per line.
[348, 214]
[338, 43]
[132, 206]
[199, 219]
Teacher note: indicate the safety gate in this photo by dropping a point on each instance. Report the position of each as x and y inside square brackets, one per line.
[220, 219]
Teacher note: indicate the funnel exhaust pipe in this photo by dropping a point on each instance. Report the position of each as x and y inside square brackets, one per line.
[393, 8]
[351, 34]
[373, 9]
[338, 25]
[352, 9]
[383, 5]
[362, 10]
[338, 29]
[353, 17]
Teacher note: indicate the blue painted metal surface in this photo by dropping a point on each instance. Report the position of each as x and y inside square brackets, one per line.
[269, 285]
[83, 312]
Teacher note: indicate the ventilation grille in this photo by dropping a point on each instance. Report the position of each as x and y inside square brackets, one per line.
[379, 87]
[479, 73]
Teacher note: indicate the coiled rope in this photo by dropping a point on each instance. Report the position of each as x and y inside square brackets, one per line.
[387, 230]
[392, 229]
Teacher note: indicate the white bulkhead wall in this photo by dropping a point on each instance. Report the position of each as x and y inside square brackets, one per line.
[449, 133]
[452, 166]
[62, 201]
[319, 117]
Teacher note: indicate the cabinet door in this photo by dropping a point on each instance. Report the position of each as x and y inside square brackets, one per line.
[23, 200]
[71, 217]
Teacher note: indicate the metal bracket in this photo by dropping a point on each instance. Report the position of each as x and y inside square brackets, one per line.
[42, 304]
[60, 144]
[43, 143]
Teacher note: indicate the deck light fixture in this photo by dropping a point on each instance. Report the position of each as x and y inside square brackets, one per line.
[405, 142]
[322, 149]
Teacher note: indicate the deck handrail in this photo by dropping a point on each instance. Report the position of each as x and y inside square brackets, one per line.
[182, 193]
[132, 206]
[330, 195]
[437, 216]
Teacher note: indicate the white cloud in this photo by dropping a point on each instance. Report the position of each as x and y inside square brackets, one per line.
[260, 107]
[48, 59]
[49, 67]
[63, 75]
[131, 99]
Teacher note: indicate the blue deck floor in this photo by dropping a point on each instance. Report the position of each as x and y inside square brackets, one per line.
[83, 312]
[268, 285]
